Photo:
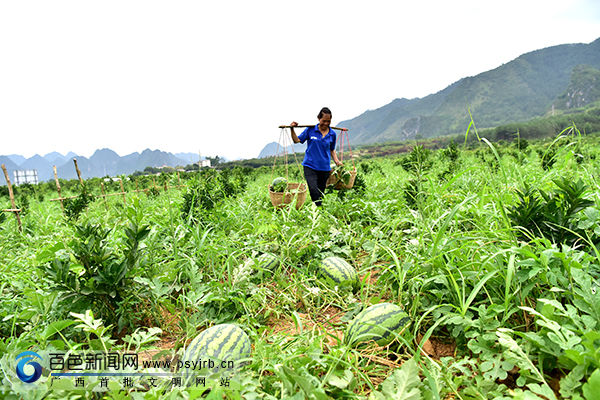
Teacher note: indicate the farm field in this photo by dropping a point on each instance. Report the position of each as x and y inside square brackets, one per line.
[490, 249]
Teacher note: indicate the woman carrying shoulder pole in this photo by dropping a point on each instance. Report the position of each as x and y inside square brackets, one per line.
[320, 149]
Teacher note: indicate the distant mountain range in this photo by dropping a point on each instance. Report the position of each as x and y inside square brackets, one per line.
[102, 163]
[532, 85]
[274, 148]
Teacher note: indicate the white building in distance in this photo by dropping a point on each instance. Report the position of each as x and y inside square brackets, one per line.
[26, 176]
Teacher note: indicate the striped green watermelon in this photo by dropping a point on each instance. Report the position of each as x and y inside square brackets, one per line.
[378, 323]
[267, 261]
[337, 272]
[223, 344]
[279, 184]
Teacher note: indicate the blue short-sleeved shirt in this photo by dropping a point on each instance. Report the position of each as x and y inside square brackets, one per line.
[318, 148]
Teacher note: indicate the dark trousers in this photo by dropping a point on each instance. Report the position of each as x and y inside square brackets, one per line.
[316, 180]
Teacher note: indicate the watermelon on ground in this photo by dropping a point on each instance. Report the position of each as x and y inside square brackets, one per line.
[266, 261]
[225, 345]
[379, 323]
[338, 272]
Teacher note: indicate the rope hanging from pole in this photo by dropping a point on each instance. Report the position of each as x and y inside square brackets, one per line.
[336, 178]
[293, 190]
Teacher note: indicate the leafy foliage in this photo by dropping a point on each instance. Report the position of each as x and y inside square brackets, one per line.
[403, 383]
[451, 152]
[74, 207]
[418, 161]
[102, 277]
[209, 189]
[341, 173]
[553, 214]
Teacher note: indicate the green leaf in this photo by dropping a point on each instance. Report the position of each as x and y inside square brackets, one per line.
[520, 395]
[542, 390]
[341, 381]
[56, 327]
[306, 382]
[495, 368]
[570, 383]
[592, 387]
[478, 346]
[402, 384]
[516, 353]
[477, 288]
[433, 383]
[49, 253]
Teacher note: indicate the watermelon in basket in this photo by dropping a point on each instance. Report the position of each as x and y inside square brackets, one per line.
[342, 177]
[282, 193]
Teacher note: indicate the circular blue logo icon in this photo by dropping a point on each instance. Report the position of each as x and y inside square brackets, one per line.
[37, 368]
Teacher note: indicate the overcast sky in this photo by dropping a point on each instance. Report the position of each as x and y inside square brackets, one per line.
[218, 77]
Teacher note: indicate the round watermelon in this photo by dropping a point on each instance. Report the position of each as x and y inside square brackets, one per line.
[217, 349]
[266, 261]
[279, 184]
[337, 272]
[379, 323]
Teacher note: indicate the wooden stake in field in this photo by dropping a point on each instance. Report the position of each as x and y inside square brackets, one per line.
[12, 199]
[103, 195]
[62, 206]
[137, 188]
[123, 191]
[78, 172]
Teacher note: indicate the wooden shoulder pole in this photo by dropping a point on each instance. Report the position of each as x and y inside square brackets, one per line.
[12, 198]
[310, 126]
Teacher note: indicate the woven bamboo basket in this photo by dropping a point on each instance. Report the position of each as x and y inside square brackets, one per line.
[339, 184]
[282, 199]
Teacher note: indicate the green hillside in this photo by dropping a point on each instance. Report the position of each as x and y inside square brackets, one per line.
[522, 89]
[583, 89]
